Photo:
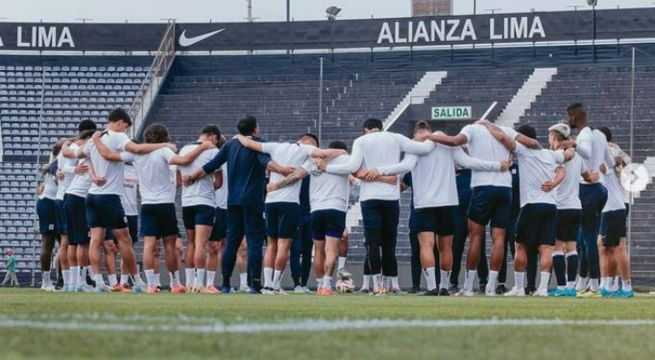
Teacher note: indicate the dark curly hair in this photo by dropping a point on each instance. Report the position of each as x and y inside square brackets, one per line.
[156, 133]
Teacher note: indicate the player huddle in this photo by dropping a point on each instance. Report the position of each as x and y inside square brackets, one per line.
[293, 197]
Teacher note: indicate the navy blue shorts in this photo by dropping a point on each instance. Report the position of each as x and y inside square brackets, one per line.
[491, 204]
[133, 227]
[158, 220]
[46, 209]
[219, 229]
[568, 224]
[328, 222]
[613, 227]
[536, 225]
[437, 220]
[60, 212]
[282, 219]
[197, 215]
[105, 210]
[78, 229]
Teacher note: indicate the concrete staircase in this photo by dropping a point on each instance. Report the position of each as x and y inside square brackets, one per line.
[416, 95]
[526, 95]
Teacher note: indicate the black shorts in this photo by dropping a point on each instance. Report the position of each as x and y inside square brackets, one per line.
[133, 227]
[282, 219]
[536, 225]
[491, 204]
[568, 224]
[438, 220]
[105, 210]
[46, 209]
[76, 210]
[613, 227]
[61, 226]
[197, 215]
[219, 229]
[158, 220]
[328, 222]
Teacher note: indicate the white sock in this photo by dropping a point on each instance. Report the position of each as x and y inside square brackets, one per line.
[570, 284]
[341, 262]
[66, 275]
[430, 278]
[544, 280]
[86, 271]
[45, 278]
[175, 278]
[75, 275]
[519, 280]
[277, 278]
[158, 279]
[210, 278]
[617, 280]
[612, 284]
[124, 279]
[394, 282]
[150, 277]
[98, 279]
[327, 282]
[366, 281]
[113, 280]
[190, 277]
[243, 279]
[319, 282]
[593, 284]
[444, 280]
[268, 277]
[138, 281]
[493, 281]
[376, 281]
[468, 279]
[603, 282]
[627, 285]
[200, 278]
[582, 283]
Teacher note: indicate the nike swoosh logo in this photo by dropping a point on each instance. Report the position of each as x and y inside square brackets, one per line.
[188, 41]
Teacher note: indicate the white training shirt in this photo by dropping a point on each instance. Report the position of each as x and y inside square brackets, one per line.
[49, 184]
[130, 184]
[286, 154]
[200, 192]
[593, 147]
[112, 171]
[221, 193]
[328, 191]
[568, 191]
[373, 151]
[616, 198]
[81, 184]
[156, 184]
[482, 145]
[433, 175]
[535, 168]
[66, 166]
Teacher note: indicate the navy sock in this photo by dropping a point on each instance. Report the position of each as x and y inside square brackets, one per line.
[572, 266]
[559, 266]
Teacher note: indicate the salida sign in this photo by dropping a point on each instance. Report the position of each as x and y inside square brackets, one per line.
[451, 112]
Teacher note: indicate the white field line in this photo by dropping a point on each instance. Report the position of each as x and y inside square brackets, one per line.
[307, 325]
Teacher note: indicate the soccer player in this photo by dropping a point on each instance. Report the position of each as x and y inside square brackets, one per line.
[379, 201]
[568, 216]
[491, 199]
[198, 208]
[300, 259]
[131, 207]
[158, 218]
[415, 260]
[283, 204]
[245, 199]
[540, 174]
[613, 230]
[590, 145]
[103, 203]
[219, 228]
[435, 195]
[47, 213]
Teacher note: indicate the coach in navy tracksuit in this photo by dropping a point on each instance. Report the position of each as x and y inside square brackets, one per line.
[245, 200]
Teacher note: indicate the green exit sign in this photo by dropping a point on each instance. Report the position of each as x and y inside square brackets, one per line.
[451, 112]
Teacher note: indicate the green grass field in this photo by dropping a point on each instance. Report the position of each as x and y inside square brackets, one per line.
[70, 326]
